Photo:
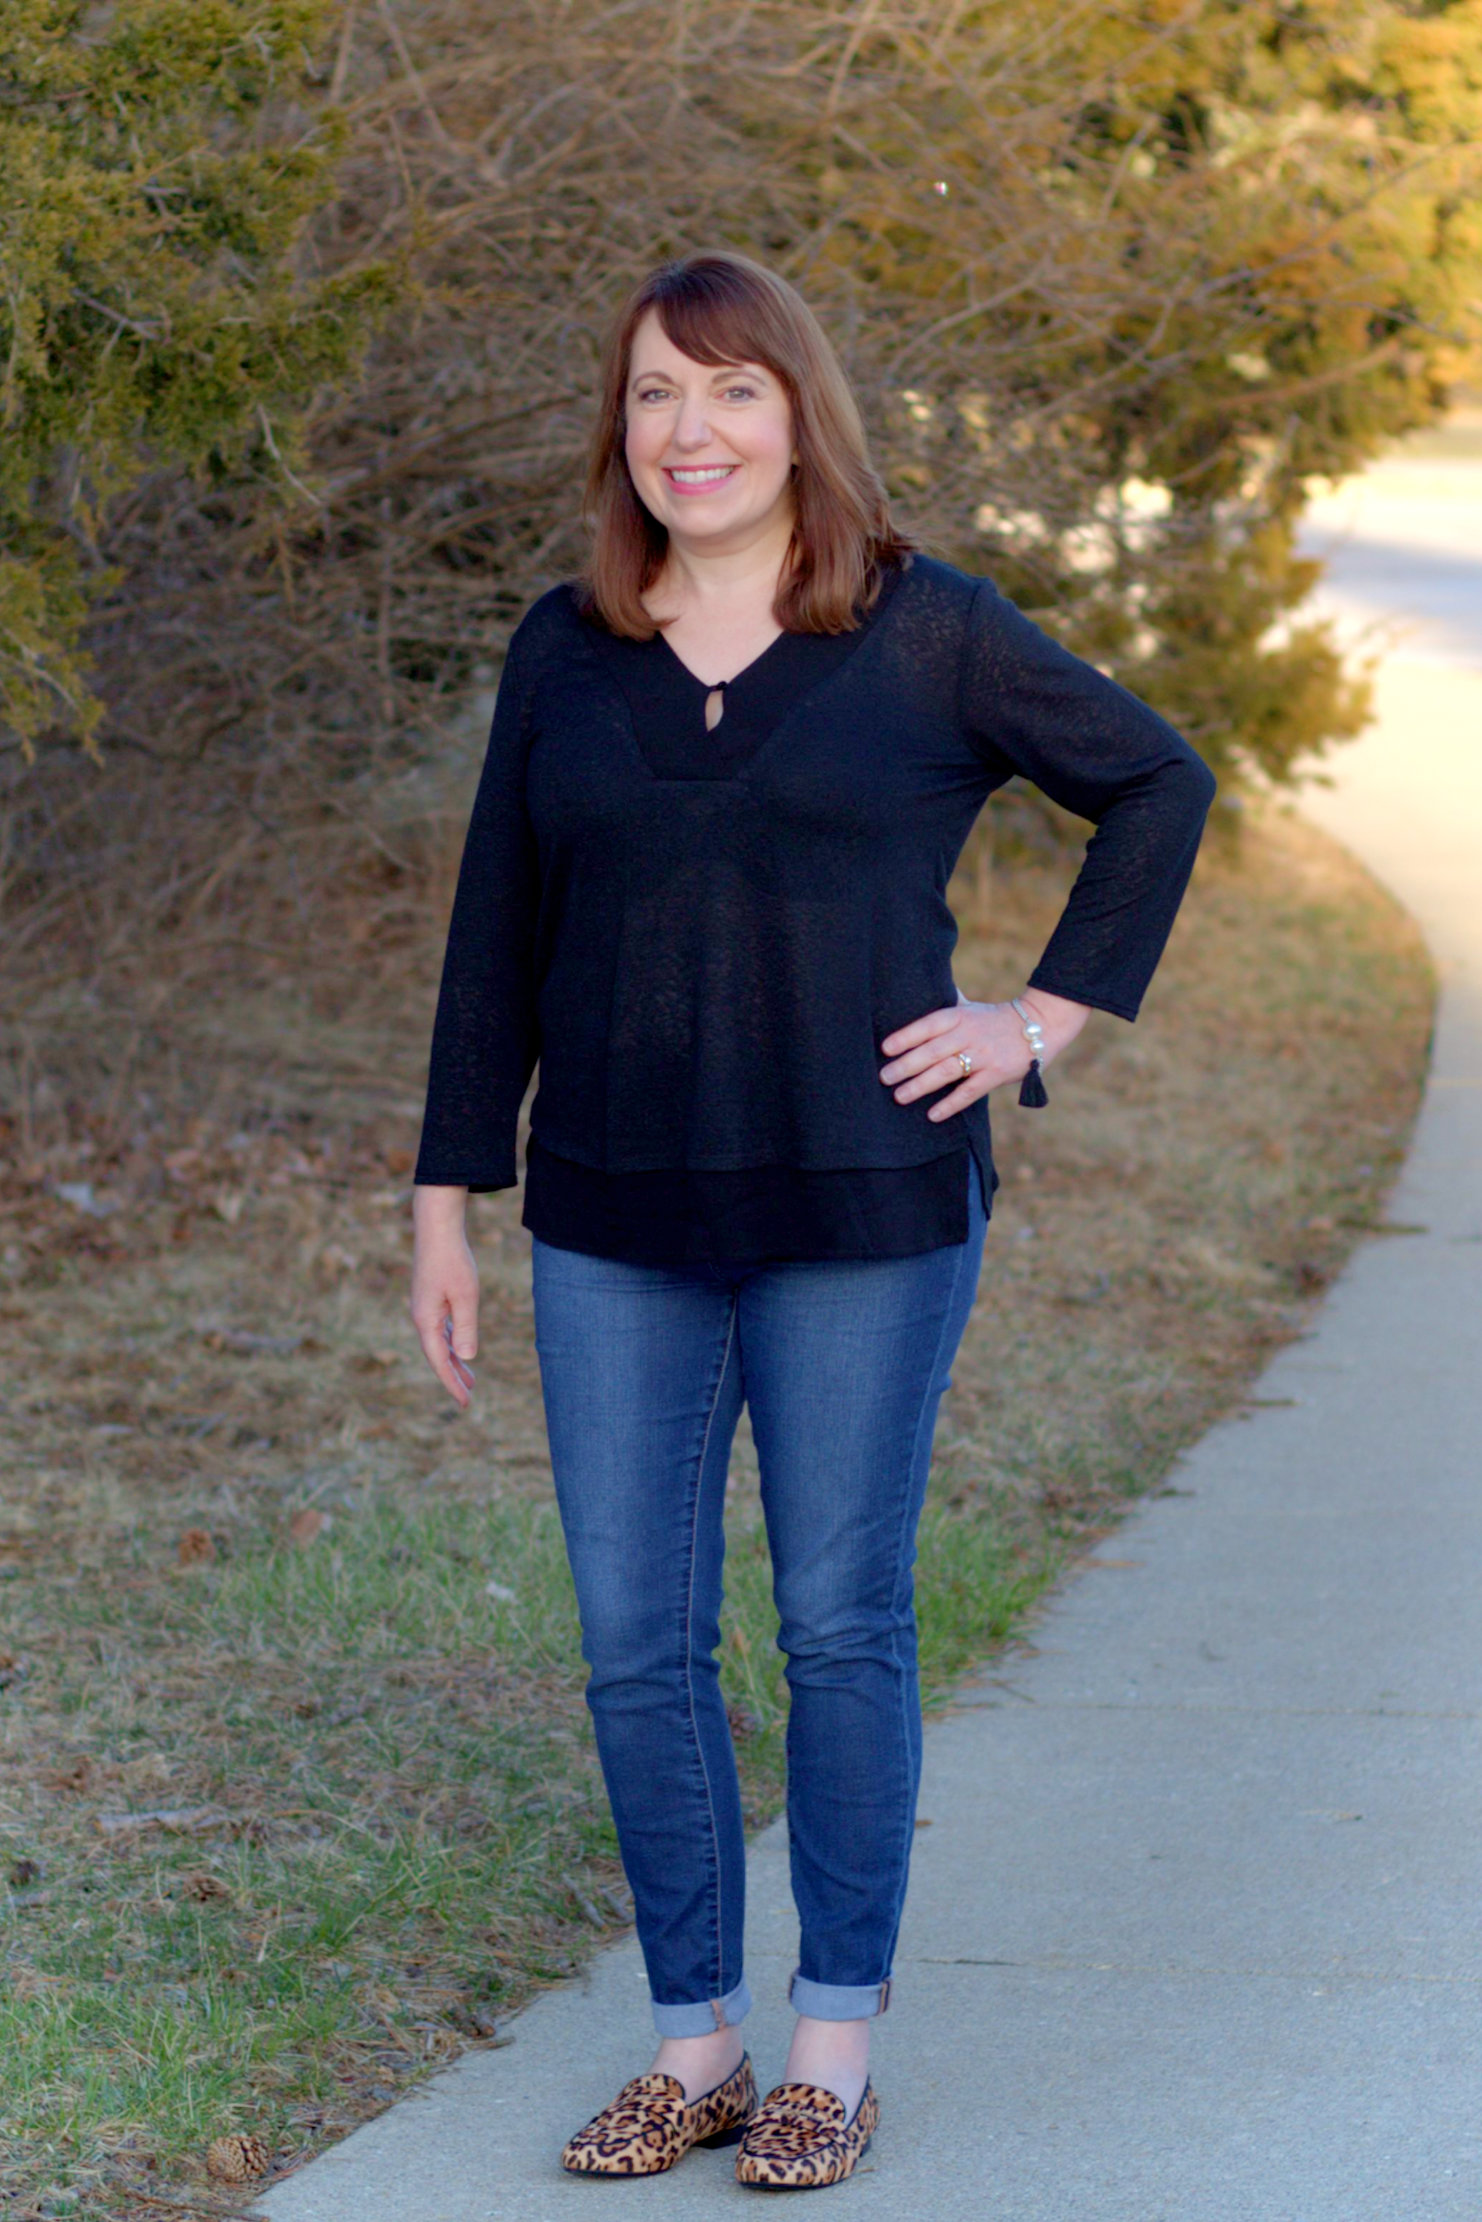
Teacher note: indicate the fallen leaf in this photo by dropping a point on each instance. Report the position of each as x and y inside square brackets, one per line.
[23, 1873]
[337, 1259]
[204, 1888]
[195, 1548]
[11, 1670]
[500, 1592]
[399, 1161]
[307, 1524]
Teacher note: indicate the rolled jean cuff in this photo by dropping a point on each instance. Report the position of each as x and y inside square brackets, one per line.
[704, 2019]
[838, 2001]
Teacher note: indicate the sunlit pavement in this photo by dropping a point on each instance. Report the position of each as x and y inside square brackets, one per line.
[1196, 1933]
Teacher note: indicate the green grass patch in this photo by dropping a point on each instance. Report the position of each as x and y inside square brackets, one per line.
[387, 1817]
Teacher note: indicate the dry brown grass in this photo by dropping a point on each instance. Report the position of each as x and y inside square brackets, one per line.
[202, 1328]
[1199, 1178]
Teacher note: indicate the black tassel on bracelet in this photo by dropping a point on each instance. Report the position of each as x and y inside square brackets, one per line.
[1032, 1088]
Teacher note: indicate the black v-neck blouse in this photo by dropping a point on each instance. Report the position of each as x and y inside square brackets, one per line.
[705, 933]
[765, 1212]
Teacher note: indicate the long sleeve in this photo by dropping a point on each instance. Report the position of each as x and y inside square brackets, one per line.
[485, 1038]
[1029, 705]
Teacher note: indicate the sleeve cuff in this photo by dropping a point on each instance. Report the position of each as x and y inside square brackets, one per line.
[479, 1180]
[1115, 1006]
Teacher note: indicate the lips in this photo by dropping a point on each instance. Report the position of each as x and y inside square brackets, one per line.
[699, 478]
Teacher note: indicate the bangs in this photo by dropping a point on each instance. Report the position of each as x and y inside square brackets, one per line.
[714, 320]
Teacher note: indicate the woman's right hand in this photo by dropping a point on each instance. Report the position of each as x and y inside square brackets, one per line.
[445, 1288]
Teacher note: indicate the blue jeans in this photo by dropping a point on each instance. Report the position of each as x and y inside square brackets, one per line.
[842, 1365]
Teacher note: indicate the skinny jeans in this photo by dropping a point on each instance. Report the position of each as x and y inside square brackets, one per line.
[842, 1365]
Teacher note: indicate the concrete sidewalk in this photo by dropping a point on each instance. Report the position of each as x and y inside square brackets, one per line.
[1196, 1932]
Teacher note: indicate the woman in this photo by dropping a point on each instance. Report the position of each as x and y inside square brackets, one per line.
[705, 883]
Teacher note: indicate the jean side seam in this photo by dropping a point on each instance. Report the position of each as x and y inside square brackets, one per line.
[906, 1833]
[717, 1986]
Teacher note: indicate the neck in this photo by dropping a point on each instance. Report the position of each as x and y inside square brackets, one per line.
[700, 576]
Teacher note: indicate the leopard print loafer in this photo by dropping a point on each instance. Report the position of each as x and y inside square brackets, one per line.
[650, 2125]
[799, 2140]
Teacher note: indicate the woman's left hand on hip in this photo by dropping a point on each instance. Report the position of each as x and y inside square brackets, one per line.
[972, 1048]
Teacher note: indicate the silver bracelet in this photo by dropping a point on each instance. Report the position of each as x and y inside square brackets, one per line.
[1032, 1092]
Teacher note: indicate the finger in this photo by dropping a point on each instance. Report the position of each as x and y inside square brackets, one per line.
[920, 1060]
[437, 1353]
[946, 1072]
[456, 1359]
[920, 1030]
[960, 1098]
[453, 1374]
[463, 1305]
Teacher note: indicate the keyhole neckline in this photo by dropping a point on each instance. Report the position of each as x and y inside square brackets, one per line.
[713, 686]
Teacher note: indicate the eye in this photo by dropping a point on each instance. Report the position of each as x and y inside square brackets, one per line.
[653, 393]
[739, 393]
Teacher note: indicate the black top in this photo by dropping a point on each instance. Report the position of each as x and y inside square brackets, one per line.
[768, 1212]
[706, 940]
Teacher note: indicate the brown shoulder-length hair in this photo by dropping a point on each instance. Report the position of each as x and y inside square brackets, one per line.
[724, 308]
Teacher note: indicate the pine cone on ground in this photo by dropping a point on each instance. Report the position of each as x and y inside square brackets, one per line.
[236, 2159]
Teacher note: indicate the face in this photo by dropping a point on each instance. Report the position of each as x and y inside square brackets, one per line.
[710, 447]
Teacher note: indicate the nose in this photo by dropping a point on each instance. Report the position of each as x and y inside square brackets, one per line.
[692, 426]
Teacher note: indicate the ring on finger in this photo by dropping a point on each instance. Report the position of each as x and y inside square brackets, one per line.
[965, 1061]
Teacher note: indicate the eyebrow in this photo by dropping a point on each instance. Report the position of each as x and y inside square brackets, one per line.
[720, 370]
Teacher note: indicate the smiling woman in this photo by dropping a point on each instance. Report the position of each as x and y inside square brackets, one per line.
[682, 392]
[705, 884]
[710, 455]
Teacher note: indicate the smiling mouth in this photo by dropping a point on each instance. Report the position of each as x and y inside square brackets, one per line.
[700, 475]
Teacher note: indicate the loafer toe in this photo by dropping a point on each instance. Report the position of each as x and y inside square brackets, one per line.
[799, 2139]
